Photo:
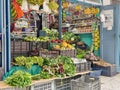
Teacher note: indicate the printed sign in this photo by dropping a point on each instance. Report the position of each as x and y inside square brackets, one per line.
[109, 19]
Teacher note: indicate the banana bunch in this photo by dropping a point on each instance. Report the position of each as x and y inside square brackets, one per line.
[94, 10]
[87, 11]
[34, 2]
[96, 39]
[78, 7]
[53, 5]
[20, 2]
[91, 10]
[65, 4]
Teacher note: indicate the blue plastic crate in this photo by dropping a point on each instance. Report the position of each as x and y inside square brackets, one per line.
[95, 73]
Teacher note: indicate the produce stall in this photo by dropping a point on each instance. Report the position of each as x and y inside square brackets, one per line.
[49, 53]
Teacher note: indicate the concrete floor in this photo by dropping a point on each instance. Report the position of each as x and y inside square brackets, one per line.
[110, 83]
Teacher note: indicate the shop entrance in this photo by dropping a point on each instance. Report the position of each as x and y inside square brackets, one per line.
[110, 35]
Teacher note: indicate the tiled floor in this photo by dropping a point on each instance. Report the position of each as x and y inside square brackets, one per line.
[110, 83]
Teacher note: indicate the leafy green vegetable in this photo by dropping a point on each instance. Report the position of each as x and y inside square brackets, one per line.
[42, 75]
[80, 53]
[19, 79]
[29, 61]
[69, 36]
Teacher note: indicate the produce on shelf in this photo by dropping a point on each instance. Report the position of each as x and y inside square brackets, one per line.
[62, 46]
[65, 4]
[34, 2]
[96, 39]
[70, 37]
[29, 61]
[53, 5]
[91, 56]
[80, 53]
[102, 63]
[42, 75]
[20, 2]
[38, 60]
[35, 39]
[78, 7]
[51, 33]
[60, 66]
[87, 11]
[19, 79]
[91, 10]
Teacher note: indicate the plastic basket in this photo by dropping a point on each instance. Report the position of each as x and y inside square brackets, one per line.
[95, 73]
[84, 66]
[106, 71]
[86, 83]
[18, 45]
[49, 54]
[48, 85]
[63, 84]
[69, 53]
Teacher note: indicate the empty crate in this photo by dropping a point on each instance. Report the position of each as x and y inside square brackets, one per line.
[86, 83]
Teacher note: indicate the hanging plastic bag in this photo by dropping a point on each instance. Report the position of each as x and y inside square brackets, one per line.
[34, 7]
[24, 6]
[45, 7]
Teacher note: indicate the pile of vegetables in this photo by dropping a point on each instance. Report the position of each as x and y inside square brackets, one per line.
[29, 61]
[56, 67]
[35, 39]
[69, 36]
[80, 53]
[51, 33]
[60, 66]
[19, 79]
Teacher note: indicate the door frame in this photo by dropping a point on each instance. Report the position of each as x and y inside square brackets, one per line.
[116, 27]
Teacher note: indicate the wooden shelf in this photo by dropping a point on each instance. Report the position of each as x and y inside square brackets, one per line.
[3, 85]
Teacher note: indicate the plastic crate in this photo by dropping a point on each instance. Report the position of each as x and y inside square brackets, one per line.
[95, 73]
[106, 71]
[18, 45]
[16, 54]
[63, 84]
[49, 54]
[86, 83]
[38, 45]
[69, 53]
[48, 85]
[84, 66]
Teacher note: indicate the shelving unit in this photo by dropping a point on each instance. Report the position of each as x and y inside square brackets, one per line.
[4, 86]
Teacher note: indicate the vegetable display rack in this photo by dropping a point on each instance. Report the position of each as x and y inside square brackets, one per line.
[15, 88]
